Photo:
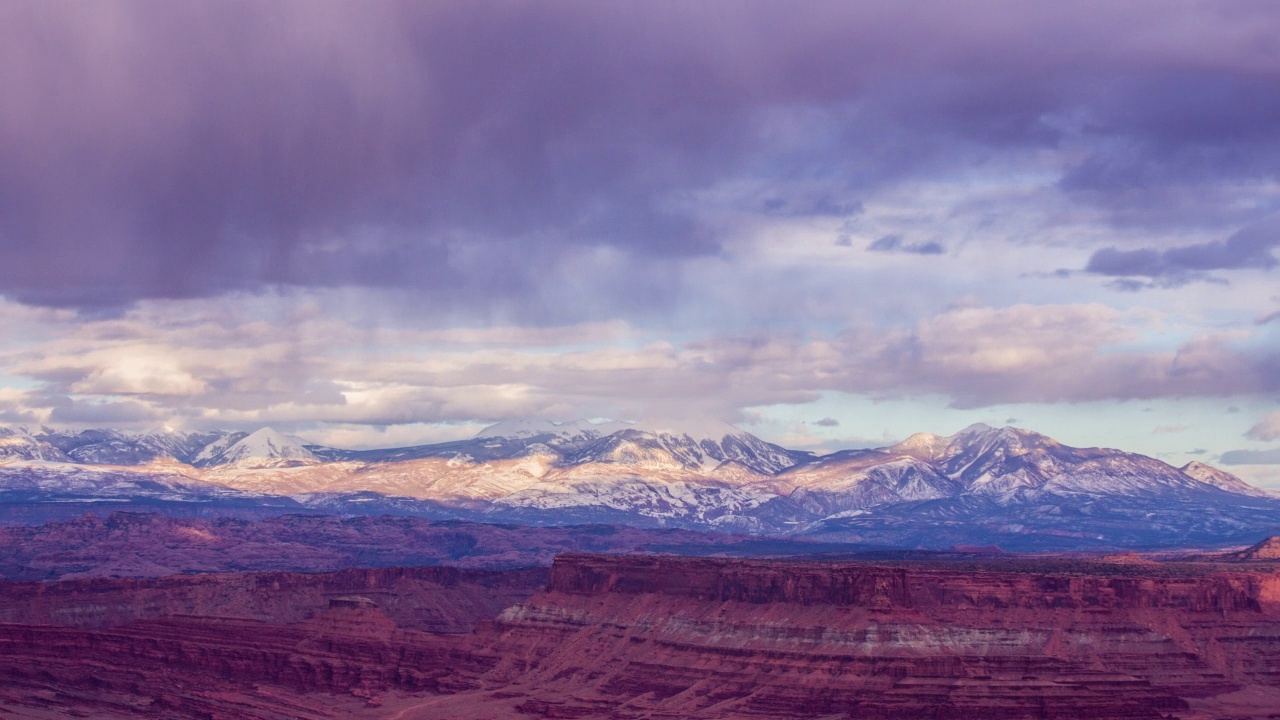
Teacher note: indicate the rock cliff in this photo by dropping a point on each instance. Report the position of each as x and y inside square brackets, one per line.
[669, 637]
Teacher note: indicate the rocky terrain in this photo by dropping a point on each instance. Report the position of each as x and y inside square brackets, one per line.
[150, 545]
[431, 599]
[660, 637]
[1268, 549]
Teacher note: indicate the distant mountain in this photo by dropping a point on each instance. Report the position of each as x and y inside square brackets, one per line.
[980, 486]
[113, 447]
[704, 446]
[20, 444]
[1222, 479]
[265, 448]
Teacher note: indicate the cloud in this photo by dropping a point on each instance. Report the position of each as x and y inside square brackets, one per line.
[65, 411]
[1250, 248]
[479, 157]
[1267, 429]
[827, 422]
[205, 364]
[1251, 457]
[216, 365]
[894, 244]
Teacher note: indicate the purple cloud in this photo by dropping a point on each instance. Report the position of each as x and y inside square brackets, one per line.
[895, 244]
[470, 152]
[1250, 248]
[1251, 457]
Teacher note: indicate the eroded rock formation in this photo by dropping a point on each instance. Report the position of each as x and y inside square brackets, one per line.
[669, 637]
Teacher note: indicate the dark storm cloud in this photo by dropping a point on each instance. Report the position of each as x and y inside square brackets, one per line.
[469, 151]
[1250, 248]
[895, 244]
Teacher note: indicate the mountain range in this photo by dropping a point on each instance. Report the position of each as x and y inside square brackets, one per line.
[983, 485]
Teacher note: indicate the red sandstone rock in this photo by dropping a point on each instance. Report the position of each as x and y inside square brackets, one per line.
[759, 638]
[1268, 549]
[646, 637]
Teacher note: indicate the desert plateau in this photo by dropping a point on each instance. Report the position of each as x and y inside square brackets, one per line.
[641, 636]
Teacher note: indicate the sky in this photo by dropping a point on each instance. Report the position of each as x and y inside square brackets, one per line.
[833, 224]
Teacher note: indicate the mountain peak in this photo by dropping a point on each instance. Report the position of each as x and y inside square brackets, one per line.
[1221, 479]
[922, 446]
[978, 428]
[265, 447]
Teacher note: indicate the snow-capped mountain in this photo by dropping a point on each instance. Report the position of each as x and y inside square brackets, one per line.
[1222, 479]
[1010, 464]
[702, 446]
[978, 486]
[113, 447]
[263, 448]
[19, 444]
[856, 480]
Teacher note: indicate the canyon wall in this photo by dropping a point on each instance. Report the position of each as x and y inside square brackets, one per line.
[673, 637]
[669, 637]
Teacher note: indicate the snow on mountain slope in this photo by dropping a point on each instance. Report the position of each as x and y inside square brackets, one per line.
[651, 497]
[19, 445]
[864, 479]
[211, 453]
[164, 481]
[1222, 479]
[263, 448]
[702, 446]
[113, 447]
[1007, 465]
[447, 479]
[692, 474]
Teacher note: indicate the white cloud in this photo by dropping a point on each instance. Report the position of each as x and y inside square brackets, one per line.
[223, 365]
[1267, 429]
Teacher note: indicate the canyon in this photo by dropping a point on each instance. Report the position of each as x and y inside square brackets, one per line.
[658, 636]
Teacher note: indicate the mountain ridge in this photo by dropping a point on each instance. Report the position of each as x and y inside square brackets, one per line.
[990, 482]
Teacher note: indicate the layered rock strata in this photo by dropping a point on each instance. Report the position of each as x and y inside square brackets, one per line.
[668, 637]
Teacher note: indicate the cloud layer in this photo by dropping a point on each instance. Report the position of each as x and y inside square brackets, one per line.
[474, 152]
[336, 215]
[212, 368]
[1250, 248]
